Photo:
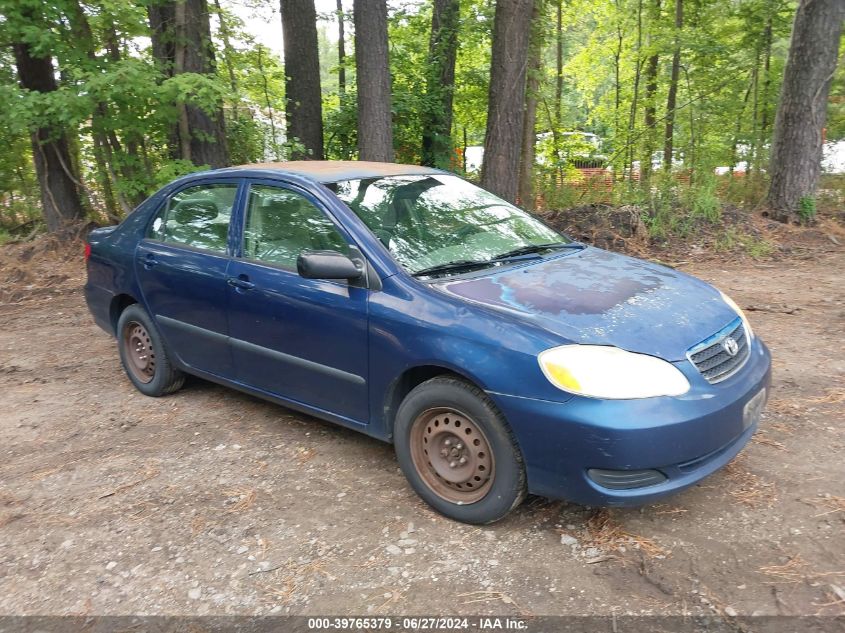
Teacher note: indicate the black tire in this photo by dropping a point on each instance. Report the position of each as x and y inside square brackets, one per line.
[447, 402]
[143, 354]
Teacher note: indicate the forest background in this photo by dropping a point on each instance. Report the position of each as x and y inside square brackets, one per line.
[675, 107]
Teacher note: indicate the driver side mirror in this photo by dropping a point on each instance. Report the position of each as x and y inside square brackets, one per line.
[328, 265]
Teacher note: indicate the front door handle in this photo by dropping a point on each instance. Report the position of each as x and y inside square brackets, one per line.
[241, 282]
[149, 261]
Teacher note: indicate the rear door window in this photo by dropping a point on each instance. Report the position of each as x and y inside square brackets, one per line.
[197, 217]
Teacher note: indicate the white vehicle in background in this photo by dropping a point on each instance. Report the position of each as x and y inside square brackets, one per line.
[833, 157]
[474, 156]
[577, 147]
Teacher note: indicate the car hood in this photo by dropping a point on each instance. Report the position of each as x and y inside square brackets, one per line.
[602, 298]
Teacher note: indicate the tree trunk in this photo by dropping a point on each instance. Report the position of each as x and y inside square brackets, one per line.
[801, 113]
[671, 99]
[650, 118]
[60, 201]
[343, 133]
[558, 63]
[181, 42]
[104, 179]
[228, 52]
[206, 130]
[738, 127]
[265, 88]
[375, 125]
[617, 84]
[112, 43]
[529, 133]
[303, 100]
[103, 132]
[692, 150]
[755, 99]
[341, 50]
[162, 18]
[442, 51]
[767, 80]
[632, 117]
[505, 110]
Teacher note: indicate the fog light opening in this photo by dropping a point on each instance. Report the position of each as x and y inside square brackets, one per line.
[625, 479]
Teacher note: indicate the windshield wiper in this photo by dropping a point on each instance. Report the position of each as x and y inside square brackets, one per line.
[536, 248]
[464, 264]
[472, 264]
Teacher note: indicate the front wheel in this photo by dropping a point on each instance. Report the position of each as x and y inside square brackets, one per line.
[458, 452]
[143, 354]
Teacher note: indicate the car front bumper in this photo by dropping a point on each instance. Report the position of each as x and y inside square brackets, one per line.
[685, 438]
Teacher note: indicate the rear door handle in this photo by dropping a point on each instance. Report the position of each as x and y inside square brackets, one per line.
[241, 282]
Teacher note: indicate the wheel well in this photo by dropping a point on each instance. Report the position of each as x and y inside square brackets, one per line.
[118, 304]
[410, 379]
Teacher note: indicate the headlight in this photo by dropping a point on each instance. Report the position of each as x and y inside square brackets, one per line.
[739, 311]
[599, 371]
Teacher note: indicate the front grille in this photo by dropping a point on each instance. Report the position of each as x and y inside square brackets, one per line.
[712, 359]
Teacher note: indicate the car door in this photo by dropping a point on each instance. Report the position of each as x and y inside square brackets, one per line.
[302, 339]
[181, 267]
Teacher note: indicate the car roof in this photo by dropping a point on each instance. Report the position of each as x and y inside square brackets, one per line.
[326, 171]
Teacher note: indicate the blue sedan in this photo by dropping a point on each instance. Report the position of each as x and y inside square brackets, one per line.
[497, 355]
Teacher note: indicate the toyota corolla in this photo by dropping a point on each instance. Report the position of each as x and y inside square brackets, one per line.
[498, 356]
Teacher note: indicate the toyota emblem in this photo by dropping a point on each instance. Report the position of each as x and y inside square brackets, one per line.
[730, 346]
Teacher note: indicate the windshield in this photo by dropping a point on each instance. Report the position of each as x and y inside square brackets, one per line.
[428, 221]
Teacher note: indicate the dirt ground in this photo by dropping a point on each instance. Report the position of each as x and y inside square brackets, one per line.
[213, 502]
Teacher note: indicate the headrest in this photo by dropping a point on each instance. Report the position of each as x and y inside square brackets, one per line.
[280, 217]
[191, 211]
[281, 207]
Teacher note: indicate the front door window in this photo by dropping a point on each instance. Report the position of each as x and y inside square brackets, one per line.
[280, 224]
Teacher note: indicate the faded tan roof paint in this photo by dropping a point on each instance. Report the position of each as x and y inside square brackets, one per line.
[336, 170]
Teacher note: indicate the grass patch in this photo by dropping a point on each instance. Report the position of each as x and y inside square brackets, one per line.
[733, 239]
[807, 209]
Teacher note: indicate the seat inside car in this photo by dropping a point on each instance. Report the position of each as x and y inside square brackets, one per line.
[193, 222]
[279, 231]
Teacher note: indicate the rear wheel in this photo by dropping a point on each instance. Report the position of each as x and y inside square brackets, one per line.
[143, 354]
[458, 452]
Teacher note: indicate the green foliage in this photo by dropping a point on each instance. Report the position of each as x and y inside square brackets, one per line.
[807, 209]
[758, 248]
[246, 138]
[172, 169]
[701, 199]
[835, 128]
[340, 126]
[119, 110]
[408, 32]
[472, 71]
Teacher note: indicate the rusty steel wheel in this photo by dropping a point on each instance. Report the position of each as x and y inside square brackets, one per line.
[458, 452]
[144, 354]
[139, 352]
[452, 455]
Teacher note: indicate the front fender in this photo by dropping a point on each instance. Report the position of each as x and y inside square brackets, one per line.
[414, 327]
